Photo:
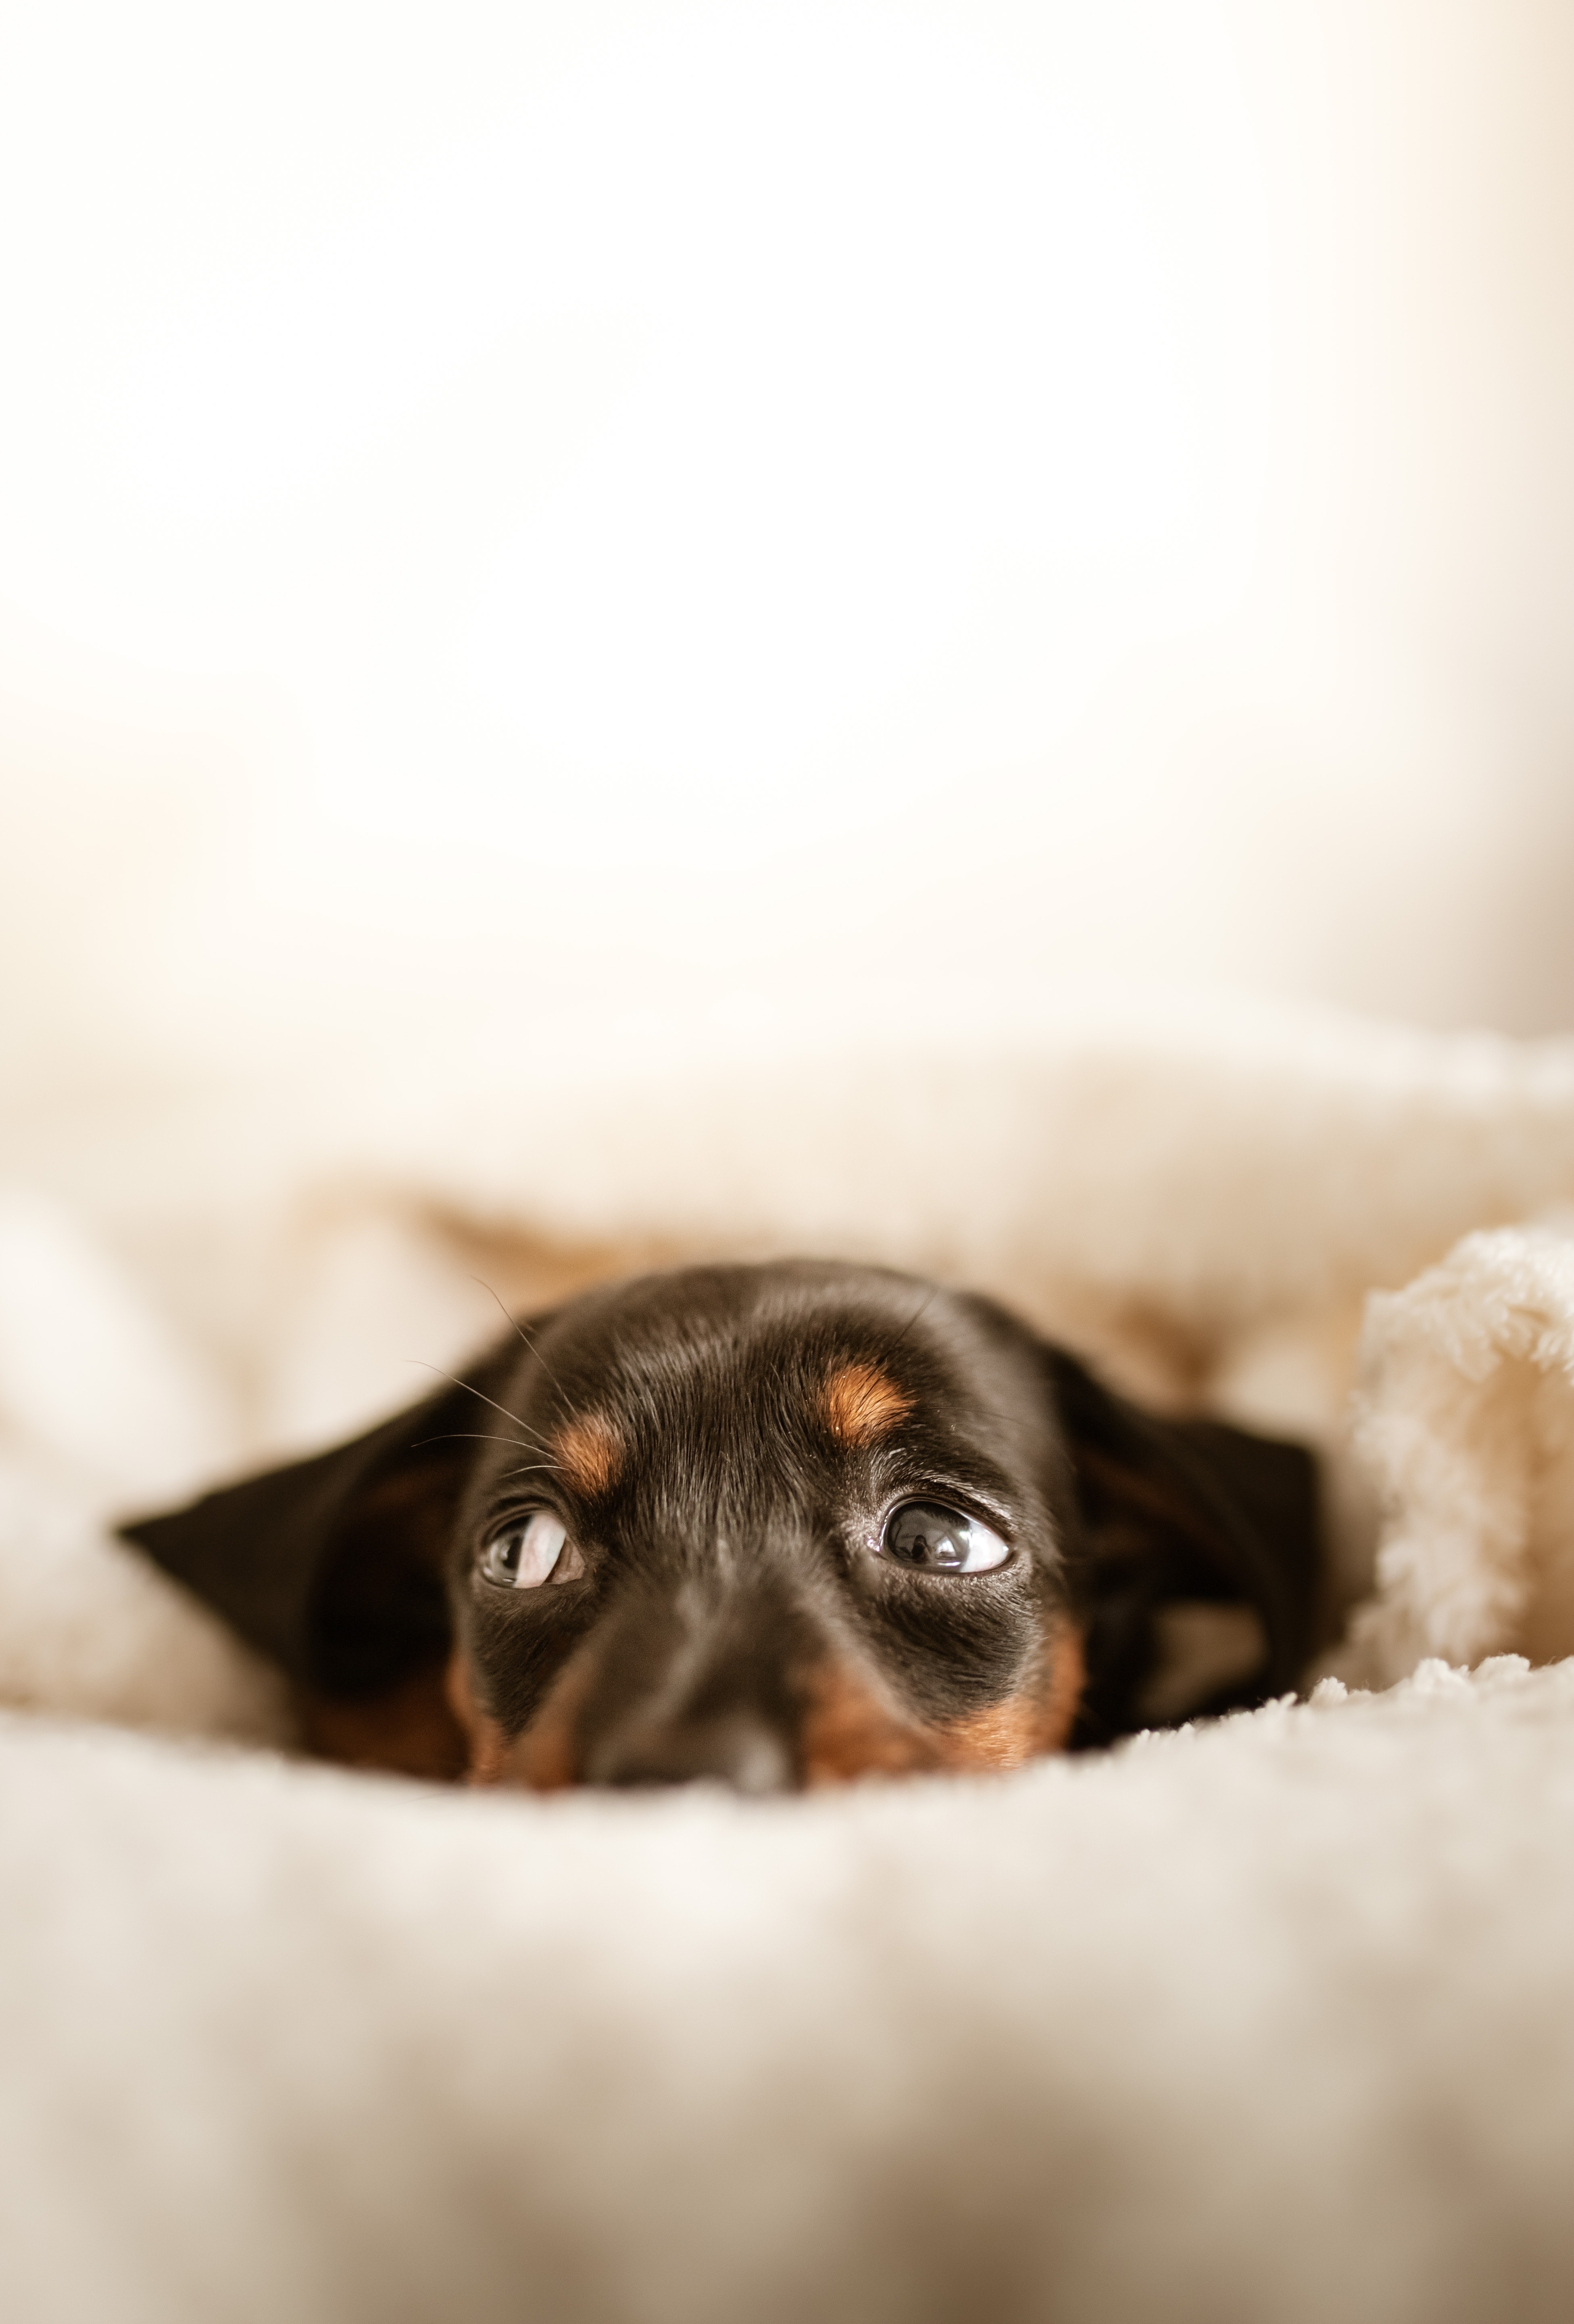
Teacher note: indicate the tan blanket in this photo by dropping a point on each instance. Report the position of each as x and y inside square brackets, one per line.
[1241, 2022]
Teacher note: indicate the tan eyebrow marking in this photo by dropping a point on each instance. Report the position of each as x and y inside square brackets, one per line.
[858, 1404]
[589, 1453]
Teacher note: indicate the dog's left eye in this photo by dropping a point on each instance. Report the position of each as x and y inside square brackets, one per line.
[934, 1540]
[535, 1549]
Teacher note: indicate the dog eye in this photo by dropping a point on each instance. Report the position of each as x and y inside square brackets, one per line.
[933, 1540]
[535, 1549]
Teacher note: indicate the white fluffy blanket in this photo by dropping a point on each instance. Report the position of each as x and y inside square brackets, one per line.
[1242, 2023]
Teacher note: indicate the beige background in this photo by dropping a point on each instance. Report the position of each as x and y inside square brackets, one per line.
[520, 512]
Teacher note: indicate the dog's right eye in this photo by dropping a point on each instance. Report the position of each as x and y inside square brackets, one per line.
[534, 1550]
[936, 1540]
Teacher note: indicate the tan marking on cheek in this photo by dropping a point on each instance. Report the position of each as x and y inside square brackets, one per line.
[851, 1732]
[541, 1758]
[1067, 1668]
[859, 1405]
[409, 1729]
[545, 1755]
[482, 1734]
[589, 1454]
[1036, 1718]
[1003, 1736]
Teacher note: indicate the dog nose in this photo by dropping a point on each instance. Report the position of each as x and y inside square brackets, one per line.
[733, 1747]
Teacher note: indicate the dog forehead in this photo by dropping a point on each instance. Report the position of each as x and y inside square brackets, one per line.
[846, 1348]
[733, 1321]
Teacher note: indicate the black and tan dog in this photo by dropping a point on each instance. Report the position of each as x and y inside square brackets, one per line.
[775, 1526]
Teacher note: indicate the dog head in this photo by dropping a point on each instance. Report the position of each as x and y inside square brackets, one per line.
[776, 1525]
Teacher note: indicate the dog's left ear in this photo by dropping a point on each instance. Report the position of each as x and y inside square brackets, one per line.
[1200, 1542]
[333, 1566]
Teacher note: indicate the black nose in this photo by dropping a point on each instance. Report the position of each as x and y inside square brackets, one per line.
[735, 1748]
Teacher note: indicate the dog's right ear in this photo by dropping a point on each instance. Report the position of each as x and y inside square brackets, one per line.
[1188, 1526]
[333, 1566]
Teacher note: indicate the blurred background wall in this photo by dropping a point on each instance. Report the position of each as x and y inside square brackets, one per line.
[575, 506]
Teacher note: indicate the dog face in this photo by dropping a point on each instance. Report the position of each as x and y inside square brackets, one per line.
[775, 1526]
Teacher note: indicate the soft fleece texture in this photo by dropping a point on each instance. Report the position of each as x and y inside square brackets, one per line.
[1262, 2020]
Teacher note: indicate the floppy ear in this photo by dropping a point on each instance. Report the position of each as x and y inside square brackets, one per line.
[1195, 1532]
[333, 1567]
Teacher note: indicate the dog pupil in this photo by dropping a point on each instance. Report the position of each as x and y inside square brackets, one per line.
[921, 1535]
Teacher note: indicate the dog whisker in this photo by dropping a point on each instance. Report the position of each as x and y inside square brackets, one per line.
[475, 1437]
[512, 1320]
[528, 1434]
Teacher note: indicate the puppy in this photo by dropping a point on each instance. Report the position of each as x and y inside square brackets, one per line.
[775, 1526]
